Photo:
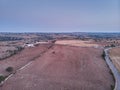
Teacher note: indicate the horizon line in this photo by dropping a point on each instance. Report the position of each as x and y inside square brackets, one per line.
[58, 32]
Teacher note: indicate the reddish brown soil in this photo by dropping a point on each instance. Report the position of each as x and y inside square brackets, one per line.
[22, 58]
[64, 68]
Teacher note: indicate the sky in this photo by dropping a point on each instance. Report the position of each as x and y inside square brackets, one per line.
[59, 16]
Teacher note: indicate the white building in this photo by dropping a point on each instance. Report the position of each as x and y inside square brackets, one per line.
[29, 45]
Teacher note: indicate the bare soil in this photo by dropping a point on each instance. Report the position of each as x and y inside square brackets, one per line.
[22, 58]
[63, 68]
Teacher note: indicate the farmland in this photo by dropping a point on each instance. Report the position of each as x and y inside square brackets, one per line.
[64, 67]
[56, 61]
[76, 43]
[22, 58]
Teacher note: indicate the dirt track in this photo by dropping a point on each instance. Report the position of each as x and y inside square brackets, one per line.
[64, 68]
[115, 72]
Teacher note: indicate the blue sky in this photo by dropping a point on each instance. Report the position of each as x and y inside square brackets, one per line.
[59, 16]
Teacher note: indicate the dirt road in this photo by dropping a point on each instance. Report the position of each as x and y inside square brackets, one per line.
[116, 73]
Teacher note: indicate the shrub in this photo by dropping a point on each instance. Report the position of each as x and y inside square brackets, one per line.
[112, 87]
[103, 55]
[112, 45]
[9, 69]
[19, 48]
[2, 78]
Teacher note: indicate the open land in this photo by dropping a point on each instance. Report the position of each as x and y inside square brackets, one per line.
[66, 68]
[56, 61]
[76, 43]
[22, 58]
[115, 57]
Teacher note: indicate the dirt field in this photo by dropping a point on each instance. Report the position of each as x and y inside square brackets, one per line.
[64, 68]
[20, 59]
[115, 57]
[76, 43]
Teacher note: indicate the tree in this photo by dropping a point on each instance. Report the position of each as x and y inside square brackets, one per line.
[112, 45]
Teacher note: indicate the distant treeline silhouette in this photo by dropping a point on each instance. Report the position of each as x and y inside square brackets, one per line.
[6, 38]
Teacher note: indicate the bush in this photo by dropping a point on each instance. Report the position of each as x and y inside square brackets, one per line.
[103, 55]
[112, 87]
[2, 78]
[9, 69]
[112, 45]
[19, 48]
